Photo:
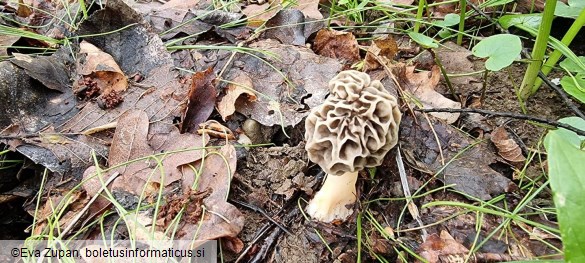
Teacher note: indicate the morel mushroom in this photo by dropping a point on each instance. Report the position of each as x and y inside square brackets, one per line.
[354, 128]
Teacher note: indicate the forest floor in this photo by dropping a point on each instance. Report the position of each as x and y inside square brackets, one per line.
[192, 113]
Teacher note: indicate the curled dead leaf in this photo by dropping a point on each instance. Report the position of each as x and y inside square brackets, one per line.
[202, 96]
[437, 246]
[240, 85]
[101, 68]
[422, 86]
[337, 44]
[507, 148]
[5, 42]
[216, 130]
[258, 14]
[220, 218]
[382, 50]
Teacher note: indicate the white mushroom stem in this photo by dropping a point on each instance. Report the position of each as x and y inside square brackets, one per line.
[335, 199]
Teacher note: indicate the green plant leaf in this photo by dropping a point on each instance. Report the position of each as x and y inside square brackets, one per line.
[570, 65]
[423, 40]
[501, 50]
[493, 3]
[572, 10]
[530, 24]
[528, 20]
[566, 163]
[449, 20]
[575, 86]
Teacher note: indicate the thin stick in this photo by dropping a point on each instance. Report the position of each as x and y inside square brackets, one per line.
[412, 208]
[563, 95]
[509, 115]
[86, 207]
[261, 211]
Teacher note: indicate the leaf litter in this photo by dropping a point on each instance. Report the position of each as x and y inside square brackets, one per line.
[437, 148]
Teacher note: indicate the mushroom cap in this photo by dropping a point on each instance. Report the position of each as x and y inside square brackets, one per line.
[355, 127]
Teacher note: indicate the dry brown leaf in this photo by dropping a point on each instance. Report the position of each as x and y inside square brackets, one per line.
[131, 142]
[310, 8]
[241, 85]
[221, 218]
[102, 68]
[432, 146]
[382, 50]
[436, 246]
[337, 44]
[258, 14]
[233, 244]
[64, 206]
[180, 4]
[5, 42]
[201, 102]
[455, 60]
[215, 130]
[284, 100]
[422, 86]
[24, 9]
[507, 148]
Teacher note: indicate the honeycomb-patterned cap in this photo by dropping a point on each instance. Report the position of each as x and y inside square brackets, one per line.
[355, 127]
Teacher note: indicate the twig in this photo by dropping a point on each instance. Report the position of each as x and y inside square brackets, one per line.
[261, 211]
[509, 115]
[267, 226]
[270, 239]
[33, 135]
[412, 208]
[563, 95]
[86, 207]
[260, 233]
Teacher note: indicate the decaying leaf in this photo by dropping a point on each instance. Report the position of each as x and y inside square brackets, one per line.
[201, 100]
[437, 247]
[310, 8]
[507, 148]
[422, 86]
[300, 83]
[279, 169]
[215, 130]
[260, 13]
[287, 26]
[240, 89]
[101, 68]
[63, 206]
[337, 44]
[461, 160]
[220, 218]
[131, 142]
[5, 42]
[189, 206]
[382, 51]
[51, 71]
[454, 59]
